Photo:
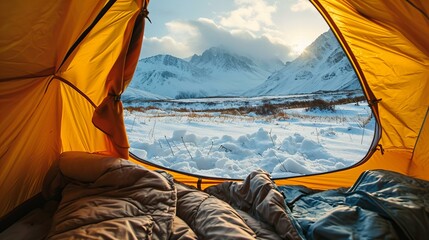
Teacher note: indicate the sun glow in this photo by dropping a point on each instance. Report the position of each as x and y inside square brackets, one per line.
[298, 48]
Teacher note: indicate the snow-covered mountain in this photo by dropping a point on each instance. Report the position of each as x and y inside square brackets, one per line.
[216, 72]
[167, 76]
[217, 58]
[323, 66]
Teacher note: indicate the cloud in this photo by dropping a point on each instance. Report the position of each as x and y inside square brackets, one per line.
[164, 45]
[252, 15]
[195, 36]
[302, 5]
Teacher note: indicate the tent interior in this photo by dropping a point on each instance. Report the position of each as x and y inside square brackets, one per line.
[65, 64]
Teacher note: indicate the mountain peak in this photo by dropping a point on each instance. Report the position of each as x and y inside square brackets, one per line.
[222, 59]
[324, 43]
[165, 59]
[216, 51]
[323, 66]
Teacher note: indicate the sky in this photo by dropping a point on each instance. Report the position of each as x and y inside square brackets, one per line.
[264, 28]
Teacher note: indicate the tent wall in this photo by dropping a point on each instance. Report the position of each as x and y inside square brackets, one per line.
[35, 35]
[30, 139]
[34, 39]
[96, 60]
[63, 66]
[77, 130]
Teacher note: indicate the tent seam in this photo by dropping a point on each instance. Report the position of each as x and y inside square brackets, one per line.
[417, 8]
[76, 89]
[87, 30]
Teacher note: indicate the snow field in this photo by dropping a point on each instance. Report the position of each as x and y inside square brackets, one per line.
[231, 146]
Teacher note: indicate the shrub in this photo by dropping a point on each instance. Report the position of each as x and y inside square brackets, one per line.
[266, 109]
[322, 105]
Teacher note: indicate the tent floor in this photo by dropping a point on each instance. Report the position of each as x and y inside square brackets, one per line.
[35, 225]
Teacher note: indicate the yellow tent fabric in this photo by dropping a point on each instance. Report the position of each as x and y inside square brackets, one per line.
[64, 64]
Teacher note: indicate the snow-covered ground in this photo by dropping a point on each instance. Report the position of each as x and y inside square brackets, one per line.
[298, 142]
